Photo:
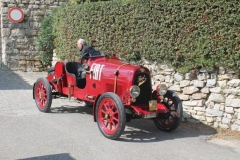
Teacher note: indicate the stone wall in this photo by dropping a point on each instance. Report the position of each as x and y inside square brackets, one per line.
[208, 96]
[18, 40]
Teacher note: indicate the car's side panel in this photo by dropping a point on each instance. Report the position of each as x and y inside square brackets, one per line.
[59, 69]
[94, 80]
[71, 79]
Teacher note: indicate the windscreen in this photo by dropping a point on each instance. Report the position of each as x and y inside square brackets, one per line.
[95, 53]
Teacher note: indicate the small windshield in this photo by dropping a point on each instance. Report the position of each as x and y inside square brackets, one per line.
[95, 53]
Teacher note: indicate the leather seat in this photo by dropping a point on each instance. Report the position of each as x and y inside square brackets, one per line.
[73, 68]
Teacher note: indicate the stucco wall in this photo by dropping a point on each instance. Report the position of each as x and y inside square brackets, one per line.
[18, 40]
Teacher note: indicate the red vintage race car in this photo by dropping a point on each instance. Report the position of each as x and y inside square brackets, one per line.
[118, 92]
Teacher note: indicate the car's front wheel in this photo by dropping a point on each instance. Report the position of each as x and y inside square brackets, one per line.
[171, 120]
[111, 116]
[43, 95]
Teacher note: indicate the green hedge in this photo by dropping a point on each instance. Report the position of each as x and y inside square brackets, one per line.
[185, 33]
[45, 40]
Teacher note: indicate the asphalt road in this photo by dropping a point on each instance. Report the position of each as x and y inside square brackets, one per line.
[69, 132]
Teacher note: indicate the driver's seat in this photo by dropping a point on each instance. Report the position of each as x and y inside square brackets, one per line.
[72, 68]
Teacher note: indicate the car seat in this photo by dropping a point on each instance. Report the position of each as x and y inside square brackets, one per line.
[72, 68]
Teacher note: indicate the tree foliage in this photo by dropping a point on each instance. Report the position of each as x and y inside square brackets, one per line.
[45, 40]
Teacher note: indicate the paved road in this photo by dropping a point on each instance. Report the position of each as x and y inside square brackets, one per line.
[68, 132]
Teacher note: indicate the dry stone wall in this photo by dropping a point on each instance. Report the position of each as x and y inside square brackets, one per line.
[208, 96]
[18, 40]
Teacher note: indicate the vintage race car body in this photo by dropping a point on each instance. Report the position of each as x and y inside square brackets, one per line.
[117, 90]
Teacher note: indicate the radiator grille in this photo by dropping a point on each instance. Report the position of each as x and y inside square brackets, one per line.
[144, 82]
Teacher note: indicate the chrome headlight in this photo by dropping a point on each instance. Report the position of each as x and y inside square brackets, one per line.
[162, 89]
[134, 91]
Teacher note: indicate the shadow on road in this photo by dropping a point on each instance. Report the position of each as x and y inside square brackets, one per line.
[17, 80]
[53, 156]
[144, 130]
[72, 109]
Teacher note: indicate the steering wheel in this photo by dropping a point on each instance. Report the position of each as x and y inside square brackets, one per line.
[82, 71]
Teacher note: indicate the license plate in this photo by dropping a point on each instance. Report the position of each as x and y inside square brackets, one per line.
[152, 105]
[150, 115]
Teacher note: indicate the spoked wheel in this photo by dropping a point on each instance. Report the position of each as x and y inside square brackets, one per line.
[111, 116]
[171, 120]
[43, 95]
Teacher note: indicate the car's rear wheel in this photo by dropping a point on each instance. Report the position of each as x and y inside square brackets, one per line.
[43, 95]
[171, 120]
[111, 116]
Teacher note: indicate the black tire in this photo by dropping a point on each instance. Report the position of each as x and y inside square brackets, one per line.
[170, 121]
[110, 115]
[43, 95]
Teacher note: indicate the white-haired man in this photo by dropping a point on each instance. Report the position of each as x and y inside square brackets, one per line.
[84, 48]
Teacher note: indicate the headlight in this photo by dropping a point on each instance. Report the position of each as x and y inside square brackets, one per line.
[134, 91]
[162, 89]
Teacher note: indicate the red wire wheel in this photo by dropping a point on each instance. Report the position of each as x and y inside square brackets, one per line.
[111, 116]
[43, 95]
[171, 120]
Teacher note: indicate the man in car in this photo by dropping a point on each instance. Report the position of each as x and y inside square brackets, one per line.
[84, 49]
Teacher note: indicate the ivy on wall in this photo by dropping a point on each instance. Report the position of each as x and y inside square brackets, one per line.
[185, 33]
[45, 40]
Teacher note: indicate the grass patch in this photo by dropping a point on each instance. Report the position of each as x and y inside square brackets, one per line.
[198, 128]
[218, 133]
[226, 134]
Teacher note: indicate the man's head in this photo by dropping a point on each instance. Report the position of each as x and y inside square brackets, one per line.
[80, 43]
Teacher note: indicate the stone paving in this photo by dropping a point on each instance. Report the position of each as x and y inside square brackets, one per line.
[16, 96]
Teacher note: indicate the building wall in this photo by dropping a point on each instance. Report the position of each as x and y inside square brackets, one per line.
[18, 40]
